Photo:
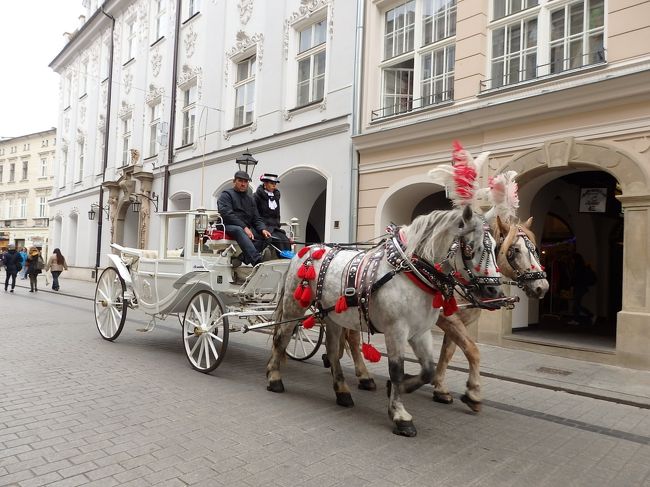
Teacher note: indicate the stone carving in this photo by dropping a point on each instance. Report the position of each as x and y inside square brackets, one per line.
[154, 94]
[127, 82]
[82, 113]
[188, 73]
[156, 62]
[125, 110]
[287, 115]
[190, 42]
[245, 11]
[66, 124]
[306, 10]
[80, 136]
[243, 44]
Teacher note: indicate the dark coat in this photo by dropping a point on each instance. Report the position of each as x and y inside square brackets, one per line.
[239, 209]
[270, 217]
[11, 259]
[32, 267]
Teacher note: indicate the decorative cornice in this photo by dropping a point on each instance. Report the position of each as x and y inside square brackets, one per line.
[125, 110]
[154, 94]
[243, 44]
[187, 74]
[306, 10]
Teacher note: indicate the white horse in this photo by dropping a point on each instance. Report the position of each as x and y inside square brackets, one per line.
[457, 240]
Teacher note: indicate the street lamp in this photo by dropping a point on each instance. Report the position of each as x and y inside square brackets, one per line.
[92, 213]
[201, 221]
[136, 203]
[245, 161]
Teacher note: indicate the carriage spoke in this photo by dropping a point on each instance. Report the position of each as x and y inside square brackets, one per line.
[196, 344]
[216, 337]
[206, 349]
[214, 349]
[302, 343]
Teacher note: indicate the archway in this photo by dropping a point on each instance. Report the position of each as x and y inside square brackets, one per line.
[304, 196]
[180, 201]
[57, 232]
[72, 238]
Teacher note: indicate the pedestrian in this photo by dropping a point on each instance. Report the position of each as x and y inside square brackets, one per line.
[23, 262]
[34, 266]
[242, 220]
[11, 260]
[267, 199]
[57, 264]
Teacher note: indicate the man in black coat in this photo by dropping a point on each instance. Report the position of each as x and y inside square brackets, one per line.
[242, 221]
[12, 261]
[267, 198]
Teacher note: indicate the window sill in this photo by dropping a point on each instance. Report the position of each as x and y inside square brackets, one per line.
[420, 110]
[85, 95]
[154, 43]
[185, 147]
[239, 128]
[43, 178]
[192, 17]
[151, 157]
[66, 108]
[129, 62]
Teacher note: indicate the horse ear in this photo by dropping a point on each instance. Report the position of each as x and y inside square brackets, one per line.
[467, 213]
[504, 228]
[529, 223]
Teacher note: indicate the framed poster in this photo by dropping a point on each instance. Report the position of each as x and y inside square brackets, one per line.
[593, 200]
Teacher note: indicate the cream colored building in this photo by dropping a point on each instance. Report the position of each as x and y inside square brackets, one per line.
[558, 90]
[25, 187]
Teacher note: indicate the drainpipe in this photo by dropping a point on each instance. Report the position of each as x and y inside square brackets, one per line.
[100, 212]
[356, 118]
[172, 111]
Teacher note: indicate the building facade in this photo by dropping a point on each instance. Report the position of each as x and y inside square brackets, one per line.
[557, 90]
[158, 99]
[26, 179]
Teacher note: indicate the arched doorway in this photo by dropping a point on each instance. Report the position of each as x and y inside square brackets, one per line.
[304, 196]
[181, 201]
[72, 238]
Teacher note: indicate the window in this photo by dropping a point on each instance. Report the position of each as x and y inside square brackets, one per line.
[189, 115]
[7, 209]
[25, 170]
[44, 143]
[11, 211]
[83, 82]
[2, 168]
[160, 19]
[126, 138]
[25, 147]
[311, 63]
[12, 172]
[64, 167]
[245, 92]
[44, 168]
[67, 91]
[82, 148]
[130, 41]
[193, 7]
[543, 38]
[416, 78]
[154, 124]
[42, 207]
[22, 208]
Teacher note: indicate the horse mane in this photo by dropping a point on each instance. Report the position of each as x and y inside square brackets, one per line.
[426, 231]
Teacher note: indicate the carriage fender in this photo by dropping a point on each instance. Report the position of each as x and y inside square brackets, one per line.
[121, 269]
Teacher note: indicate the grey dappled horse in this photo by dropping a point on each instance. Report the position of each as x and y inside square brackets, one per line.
[399, 309]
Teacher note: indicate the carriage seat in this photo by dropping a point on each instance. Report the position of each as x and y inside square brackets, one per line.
[149, 254]
[219, 240]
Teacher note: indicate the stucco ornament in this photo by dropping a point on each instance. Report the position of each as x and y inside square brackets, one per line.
[82, 113]
[154, 94]
[306, 10]
[243, 43]
[127, 82]
[156, 62]
[190, 42]
[188, 75]
[245, 11]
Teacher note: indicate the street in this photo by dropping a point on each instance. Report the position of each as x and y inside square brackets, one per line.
[78, 410]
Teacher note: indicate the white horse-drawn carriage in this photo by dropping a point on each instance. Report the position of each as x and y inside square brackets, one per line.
[190, 275]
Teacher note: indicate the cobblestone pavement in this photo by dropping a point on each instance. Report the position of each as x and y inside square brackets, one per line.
[78, 410]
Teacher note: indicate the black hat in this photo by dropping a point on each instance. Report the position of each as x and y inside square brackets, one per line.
[242, 175]
[271, 178]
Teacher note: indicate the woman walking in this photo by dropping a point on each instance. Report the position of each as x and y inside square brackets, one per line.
[57, 263]
[35, 265]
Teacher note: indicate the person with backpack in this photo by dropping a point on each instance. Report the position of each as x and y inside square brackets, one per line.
[35, 266]
[57, 264]
[11, 260]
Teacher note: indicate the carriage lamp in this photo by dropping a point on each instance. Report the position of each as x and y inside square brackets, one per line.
[246, 161]
[136, 203]
[92, 213]
[201, 221]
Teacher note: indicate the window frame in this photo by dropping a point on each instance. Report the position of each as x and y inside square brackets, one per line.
[127, 131]
[81, 145]
[311, 53]
[25, 170]
[243, 84]
[22, 207]
[44, 168]
[155, 118]
[160, 20]
[188, 113]
[12, 172]
[130, 38]
[42, 206]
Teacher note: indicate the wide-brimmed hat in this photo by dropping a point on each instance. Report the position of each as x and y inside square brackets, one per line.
[242, 175]
[271, 178]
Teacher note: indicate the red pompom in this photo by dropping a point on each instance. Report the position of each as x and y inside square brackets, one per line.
[438, 267]
[304, 304]
[341, 305]
[310, 273]
[543, 268]
[309, 322]
[317, 254]
[303, 251]
[437, 300]
[306, 294]
[370, 353]
[298, 292]
[302, 271]
[477, 267]
[498, 269]
[450, 306]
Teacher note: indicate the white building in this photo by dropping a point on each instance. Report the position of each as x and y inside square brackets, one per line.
[192, 85]
[25, 187]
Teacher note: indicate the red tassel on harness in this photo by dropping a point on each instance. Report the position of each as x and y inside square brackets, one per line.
[310, 273]
[437, 266]
[438, 300]
[298, 292]
[317, 254]
[303, 251]
[306, 294]
[341, 305]
[450, 306]
[370, 353]
[302, 271]
[309, 322]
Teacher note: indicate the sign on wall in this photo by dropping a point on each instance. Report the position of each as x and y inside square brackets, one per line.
[593, 200]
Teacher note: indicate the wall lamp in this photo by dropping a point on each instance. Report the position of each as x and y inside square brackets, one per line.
[136, 203]
[94, 206]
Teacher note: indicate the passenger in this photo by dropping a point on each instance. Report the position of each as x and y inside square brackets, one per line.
[241, 219]
[267, 198]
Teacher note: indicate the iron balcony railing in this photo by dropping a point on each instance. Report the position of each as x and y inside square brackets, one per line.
[409, 105]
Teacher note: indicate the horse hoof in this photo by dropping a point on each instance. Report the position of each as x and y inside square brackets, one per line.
[443, 397]
[389, 388]
[405, 428]
[344, 399]
[326, 361]
[367, 385]
[471, 403]
[275, 386]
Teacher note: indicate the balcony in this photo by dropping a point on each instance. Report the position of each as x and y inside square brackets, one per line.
[408, 105]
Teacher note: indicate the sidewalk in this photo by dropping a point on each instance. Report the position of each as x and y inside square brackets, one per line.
[617, 384]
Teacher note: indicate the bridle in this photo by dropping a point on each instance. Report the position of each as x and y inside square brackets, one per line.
[522, 276]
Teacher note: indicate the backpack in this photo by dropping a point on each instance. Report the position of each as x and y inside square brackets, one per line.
[40, 264]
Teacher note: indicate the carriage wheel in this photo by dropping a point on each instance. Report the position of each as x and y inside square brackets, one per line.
[204, 337]
[110, 306]
[305, 342]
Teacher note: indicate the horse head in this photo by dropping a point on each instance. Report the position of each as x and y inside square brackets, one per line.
[518, 258]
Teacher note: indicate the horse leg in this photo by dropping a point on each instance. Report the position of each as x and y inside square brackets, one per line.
[333, 339]
[455, 328]
[396, 411]
[366, 383]
[440, 391]
[281, 338]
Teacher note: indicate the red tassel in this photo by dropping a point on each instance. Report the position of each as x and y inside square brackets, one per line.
[437, 300]
[543, 268]
[310, 273]
[303, 251]
[341, 305]
[302, 271]
[298, 292]
[450, 306]
[437, 267]
[306, 294]
[317, 254]
[477, 267]
[498, 269]
[309, 322]
[304, 304]
[370, 353]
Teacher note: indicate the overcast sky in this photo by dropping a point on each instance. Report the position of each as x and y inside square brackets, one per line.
[31, 36]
